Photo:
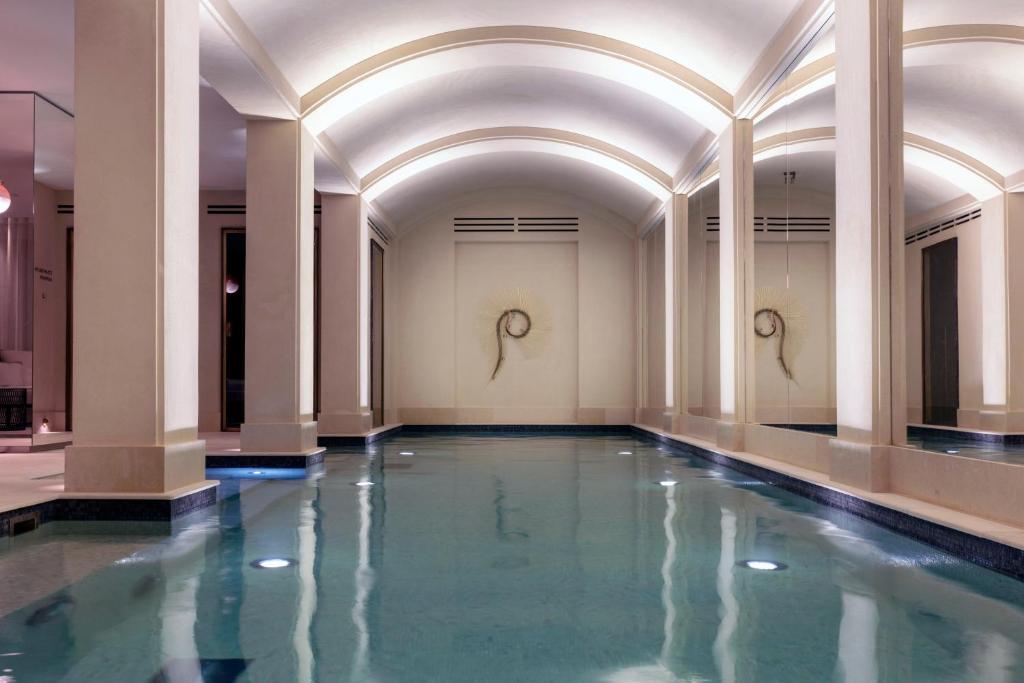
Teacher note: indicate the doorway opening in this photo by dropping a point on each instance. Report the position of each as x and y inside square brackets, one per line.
[232, 345]
[377, 333]
[941, 352]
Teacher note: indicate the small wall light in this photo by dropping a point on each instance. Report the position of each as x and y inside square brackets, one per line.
[5, 198]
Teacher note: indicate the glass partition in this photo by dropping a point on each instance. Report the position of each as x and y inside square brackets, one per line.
[17, 238]
[53, 172]
[793, 312]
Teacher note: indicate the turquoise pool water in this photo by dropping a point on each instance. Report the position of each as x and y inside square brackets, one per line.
[503, 559]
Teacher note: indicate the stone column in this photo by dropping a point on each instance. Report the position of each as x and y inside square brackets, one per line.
[279, 300]
[1002, 313]
[677, 234]
[736, 280]
[136, 250]
[871, 382]
[344, 330]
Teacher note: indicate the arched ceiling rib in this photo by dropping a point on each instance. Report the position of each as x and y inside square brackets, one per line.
[508, 96]
[524, 46]
[316, 40]
[511, 141]
[524, 169]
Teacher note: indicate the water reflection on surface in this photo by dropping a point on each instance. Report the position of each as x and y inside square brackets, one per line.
[539, 559]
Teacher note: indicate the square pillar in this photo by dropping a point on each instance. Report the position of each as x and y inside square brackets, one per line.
[344, 332]
[136, 251]
[1002, 312]
[677, 236]
[870, 309]
[736, 280]
[279, 298]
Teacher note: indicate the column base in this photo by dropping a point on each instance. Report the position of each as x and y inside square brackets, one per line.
[278, 438]
[863, 466]
[674, 423]
[344, 424]
[134, 469]
[730, 436]
[134, 507]
[1000, 420]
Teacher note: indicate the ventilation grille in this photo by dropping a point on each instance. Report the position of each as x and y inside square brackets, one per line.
[942, 226]
[769, 224]
[65, 208]
[225, 209]
[513, 224]
[239, 209]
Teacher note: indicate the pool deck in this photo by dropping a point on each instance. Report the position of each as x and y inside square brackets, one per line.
[971, 524]
[28, 479]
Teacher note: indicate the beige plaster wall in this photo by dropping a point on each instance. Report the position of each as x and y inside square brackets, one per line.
[586, 374]
[653, 246]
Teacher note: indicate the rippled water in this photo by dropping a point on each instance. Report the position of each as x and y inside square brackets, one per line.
[503, 559]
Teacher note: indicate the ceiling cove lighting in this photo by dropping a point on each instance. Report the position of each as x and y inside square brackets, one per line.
[975, 184]
[5, 198]
[273, 563]
[826, 80]
[505, 145]
[528, 54]
[762, 565]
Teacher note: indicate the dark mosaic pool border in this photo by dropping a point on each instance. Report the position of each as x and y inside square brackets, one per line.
[269, 462]
[110, 509]
[984, 552]
[529, 430]
[347, 441]
[930, 432]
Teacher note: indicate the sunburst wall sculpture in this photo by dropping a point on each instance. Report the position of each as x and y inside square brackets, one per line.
[513, 316]
[779, 320]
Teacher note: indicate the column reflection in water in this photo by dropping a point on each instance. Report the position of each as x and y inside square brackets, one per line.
[666, 576]
[371, 508]
[662, 670]
[725, 658]
[858, 635]
[183, 563]
[307, 601]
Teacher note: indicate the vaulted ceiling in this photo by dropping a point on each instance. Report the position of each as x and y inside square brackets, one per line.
[418, 101]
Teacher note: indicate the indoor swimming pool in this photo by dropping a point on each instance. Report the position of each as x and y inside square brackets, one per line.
[514, 558]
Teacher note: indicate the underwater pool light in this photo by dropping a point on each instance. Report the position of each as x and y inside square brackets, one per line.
[952, 451]
[273, 563]
[667, 482]
[763, 565]
[406, 453]
[625, 452]
[256, 472]
[362, 483]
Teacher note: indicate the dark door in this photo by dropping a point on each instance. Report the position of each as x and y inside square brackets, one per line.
[941, 346]
[232, 388]
[377, 333]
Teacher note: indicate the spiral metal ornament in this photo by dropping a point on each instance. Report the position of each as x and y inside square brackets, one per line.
[776, 327]
[503, 328]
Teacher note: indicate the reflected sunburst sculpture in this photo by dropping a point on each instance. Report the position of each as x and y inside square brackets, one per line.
[778, 315]
[513, 315]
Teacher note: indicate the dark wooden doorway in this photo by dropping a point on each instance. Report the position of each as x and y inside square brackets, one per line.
[377, 333]
[941, 350]
[232, 341]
